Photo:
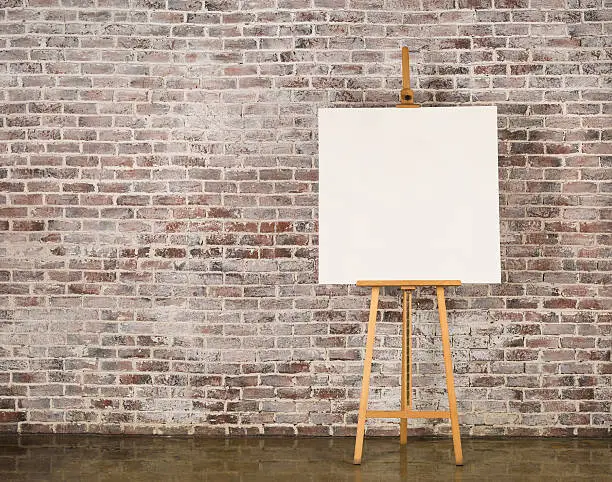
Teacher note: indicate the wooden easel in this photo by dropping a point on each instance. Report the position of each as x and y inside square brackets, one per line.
[407, 286]
[406, 411]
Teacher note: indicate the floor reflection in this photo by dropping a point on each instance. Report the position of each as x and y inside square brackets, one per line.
[93, 458]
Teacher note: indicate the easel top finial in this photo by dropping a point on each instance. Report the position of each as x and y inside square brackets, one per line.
[406, 94]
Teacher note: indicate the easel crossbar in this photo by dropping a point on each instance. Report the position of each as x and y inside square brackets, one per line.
[406, 414]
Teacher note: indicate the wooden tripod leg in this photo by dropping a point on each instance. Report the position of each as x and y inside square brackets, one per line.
[367, 369]
[410, 350]
[450, 384]
[403, 396]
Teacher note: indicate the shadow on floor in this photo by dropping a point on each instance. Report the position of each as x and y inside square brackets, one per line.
[104, 458]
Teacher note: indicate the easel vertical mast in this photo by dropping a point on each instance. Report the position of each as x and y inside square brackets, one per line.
[406, 382]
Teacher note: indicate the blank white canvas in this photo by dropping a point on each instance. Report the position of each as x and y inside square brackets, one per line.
[408, 194]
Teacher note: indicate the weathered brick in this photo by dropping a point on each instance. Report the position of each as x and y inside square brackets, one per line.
[159, 215]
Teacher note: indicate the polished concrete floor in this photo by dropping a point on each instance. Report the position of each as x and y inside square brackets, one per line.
[100, 458]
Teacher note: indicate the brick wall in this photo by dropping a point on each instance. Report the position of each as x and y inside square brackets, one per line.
[158, 222]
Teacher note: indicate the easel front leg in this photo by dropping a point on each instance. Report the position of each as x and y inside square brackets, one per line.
[365, 383]
[450, 383]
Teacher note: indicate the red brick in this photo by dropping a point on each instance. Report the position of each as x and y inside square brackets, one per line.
[12, 417]
[28, 225]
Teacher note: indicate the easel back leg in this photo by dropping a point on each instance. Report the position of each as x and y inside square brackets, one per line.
[403, 385]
